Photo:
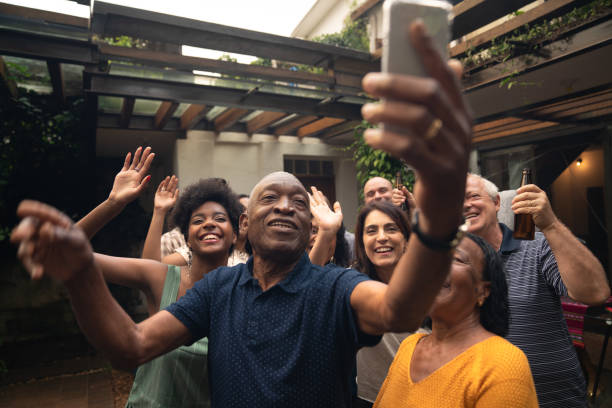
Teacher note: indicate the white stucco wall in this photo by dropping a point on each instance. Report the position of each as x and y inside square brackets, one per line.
[325, 17]
[244, 160]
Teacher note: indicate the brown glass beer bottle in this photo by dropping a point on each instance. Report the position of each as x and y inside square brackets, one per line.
[524, 227]
[398, 185]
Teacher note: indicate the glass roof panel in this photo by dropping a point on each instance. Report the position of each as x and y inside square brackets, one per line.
[73, 79]
[29, 73]
[251, 115]
[109, 104]
[146, 107]
[214, 112]
[180, 110]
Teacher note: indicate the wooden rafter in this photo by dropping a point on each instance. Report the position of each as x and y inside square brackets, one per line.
[494, 124]
[289, 127]
[57, 80]
[49, 16]
[9, 83]
[317, 126]
[526, 126]
[228, 117]
[164, 113]
[339, 129]
[263, 120]
[127, 108]
[192, 115]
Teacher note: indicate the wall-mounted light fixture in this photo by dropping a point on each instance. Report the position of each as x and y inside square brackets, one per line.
[579, 162]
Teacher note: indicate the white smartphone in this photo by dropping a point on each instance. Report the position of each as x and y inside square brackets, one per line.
[398, 56]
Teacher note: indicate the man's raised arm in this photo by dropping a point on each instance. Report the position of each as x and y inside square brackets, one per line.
[581, 272]
[50, 244]
[430, 128]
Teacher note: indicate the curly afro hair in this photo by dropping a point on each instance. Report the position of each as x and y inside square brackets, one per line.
[203, 191]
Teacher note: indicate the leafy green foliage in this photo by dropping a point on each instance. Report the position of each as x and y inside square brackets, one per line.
[376, 163]
[126, 41]
[353, 35]
[43, 152]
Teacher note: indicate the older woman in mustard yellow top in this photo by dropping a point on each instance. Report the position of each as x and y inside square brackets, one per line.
[463, 362]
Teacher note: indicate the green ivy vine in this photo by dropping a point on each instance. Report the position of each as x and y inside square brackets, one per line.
[528, 39]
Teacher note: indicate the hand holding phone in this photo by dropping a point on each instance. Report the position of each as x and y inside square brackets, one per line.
[399, 57]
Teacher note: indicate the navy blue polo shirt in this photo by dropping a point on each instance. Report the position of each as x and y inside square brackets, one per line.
[291, 346]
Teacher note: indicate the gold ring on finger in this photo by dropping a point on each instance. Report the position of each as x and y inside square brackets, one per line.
[434, 129]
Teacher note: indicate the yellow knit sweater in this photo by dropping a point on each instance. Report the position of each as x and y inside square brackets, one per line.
[491, 373]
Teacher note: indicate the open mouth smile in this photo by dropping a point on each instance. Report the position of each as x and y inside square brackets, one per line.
[282, 224]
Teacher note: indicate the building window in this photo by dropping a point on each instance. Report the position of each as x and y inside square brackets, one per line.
[308, 167]
[313, 172]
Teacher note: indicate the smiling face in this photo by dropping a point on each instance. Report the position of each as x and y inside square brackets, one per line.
[210, 230]
[384, 243]
[377, 189]
[479, 209]
[279, 218]
[464, 287]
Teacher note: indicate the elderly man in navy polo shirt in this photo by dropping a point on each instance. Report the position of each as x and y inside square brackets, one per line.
[283, 332]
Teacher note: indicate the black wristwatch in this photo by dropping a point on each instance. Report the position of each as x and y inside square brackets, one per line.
[436, 244]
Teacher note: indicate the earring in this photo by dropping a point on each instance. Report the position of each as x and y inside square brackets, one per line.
[480, 302]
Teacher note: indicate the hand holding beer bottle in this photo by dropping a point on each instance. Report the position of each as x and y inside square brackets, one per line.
[531, 208]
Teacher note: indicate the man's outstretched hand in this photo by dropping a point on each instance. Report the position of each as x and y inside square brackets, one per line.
[49, 242]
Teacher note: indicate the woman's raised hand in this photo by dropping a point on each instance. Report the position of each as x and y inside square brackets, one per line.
[132, 179]
[166, 194]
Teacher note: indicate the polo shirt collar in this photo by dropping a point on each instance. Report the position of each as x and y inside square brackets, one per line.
[509, 243]
[292, 283]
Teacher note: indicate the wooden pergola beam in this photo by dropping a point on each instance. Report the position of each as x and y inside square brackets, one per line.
[339, 129]
[164, 59]
[9, 83]
[57, 80]
[228, 117]
[49, 16]
[127, 108]
[318, 126]
[263, 120]
[528, 126]
[289, 127]
[192, 115]
[164, 113]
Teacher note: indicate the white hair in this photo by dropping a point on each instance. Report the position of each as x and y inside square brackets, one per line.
[489, 186]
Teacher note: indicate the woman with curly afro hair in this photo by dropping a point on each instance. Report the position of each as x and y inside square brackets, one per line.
[207, 213]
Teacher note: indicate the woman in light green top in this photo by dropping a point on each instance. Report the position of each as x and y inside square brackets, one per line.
[207, 213]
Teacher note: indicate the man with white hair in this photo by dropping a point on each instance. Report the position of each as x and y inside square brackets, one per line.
[554, 264]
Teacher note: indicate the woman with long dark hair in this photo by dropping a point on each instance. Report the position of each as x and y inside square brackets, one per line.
[381, 235]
